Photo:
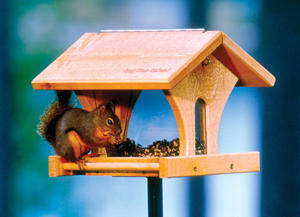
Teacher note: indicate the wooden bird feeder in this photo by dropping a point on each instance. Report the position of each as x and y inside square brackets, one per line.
[189, 66]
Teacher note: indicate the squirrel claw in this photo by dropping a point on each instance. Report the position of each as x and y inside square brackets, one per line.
[85, 157]
[81, 164]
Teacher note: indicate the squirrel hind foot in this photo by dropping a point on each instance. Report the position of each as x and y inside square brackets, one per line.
[80, 148]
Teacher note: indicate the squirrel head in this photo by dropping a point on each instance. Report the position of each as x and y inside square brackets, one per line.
[107, 125]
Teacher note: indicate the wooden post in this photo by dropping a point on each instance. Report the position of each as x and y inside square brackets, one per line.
[213, 83]
[155, 197]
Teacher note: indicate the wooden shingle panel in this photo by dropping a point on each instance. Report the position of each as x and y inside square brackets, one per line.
[125, 60]
[146, 60]
[248, 70]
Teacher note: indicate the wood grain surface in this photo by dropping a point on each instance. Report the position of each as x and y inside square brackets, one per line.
[247, 69]
[126, 60]
[145, 60]
[212, 84]
[164, 167]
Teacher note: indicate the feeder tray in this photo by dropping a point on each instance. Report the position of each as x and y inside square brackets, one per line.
[189, 66]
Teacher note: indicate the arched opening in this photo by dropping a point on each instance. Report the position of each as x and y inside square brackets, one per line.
[152, 119]
[200, 126]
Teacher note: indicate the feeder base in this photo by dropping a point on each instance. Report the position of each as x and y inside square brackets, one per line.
[163, 167]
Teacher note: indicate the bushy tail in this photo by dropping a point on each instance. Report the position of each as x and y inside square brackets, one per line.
[48, 120]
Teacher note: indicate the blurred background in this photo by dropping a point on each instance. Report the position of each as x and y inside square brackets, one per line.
[34, 33]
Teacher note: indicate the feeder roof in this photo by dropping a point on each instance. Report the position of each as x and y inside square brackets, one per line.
[146, 60]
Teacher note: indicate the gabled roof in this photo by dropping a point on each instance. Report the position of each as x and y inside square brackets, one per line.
[146, 60]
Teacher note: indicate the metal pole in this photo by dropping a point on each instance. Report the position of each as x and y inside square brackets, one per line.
[155, 197]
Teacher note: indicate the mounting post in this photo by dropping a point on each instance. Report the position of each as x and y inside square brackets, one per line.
[155, 197]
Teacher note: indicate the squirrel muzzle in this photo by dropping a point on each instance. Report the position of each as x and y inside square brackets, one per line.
[107, 137]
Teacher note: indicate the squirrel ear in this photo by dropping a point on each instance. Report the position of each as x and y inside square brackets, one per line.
[110, 106]
[101, 108]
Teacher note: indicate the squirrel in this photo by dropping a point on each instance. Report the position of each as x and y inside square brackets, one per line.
[73, 132]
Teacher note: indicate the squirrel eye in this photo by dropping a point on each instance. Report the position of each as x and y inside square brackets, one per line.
[110, 121]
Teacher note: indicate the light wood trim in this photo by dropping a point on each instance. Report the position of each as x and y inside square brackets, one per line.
[55, 167]
[197, 59]
[249, 71]
[159, 167]
[110, 166]
[209, 164]
[105, 166]
[109, 85]
[213, 84]
[122, 159]
[123, 173]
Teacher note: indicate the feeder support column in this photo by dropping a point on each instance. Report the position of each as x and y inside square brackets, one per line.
[155, 197]
[212, 84]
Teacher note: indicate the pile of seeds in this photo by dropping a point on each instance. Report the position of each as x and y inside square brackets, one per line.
[162, 148]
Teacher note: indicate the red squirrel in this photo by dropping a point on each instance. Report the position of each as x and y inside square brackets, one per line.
[73, 132]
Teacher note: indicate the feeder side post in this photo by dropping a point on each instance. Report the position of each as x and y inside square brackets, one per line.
[210, 83]
[155, 197]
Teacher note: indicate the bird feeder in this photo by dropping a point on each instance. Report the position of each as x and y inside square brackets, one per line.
[190, 66]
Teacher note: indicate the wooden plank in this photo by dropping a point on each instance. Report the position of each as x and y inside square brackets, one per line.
[197, 59]
[249, 71]
[159, 167]
[212, 84]
[122, 159]
[55, 167]
[127, 60]
[209, 164]
[132, 161]
[113, 166]
[105, 166]
[102, 85]
[123, 174]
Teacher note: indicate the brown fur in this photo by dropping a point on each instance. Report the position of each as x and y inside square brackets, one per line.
[60, 119]
[47, 126]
